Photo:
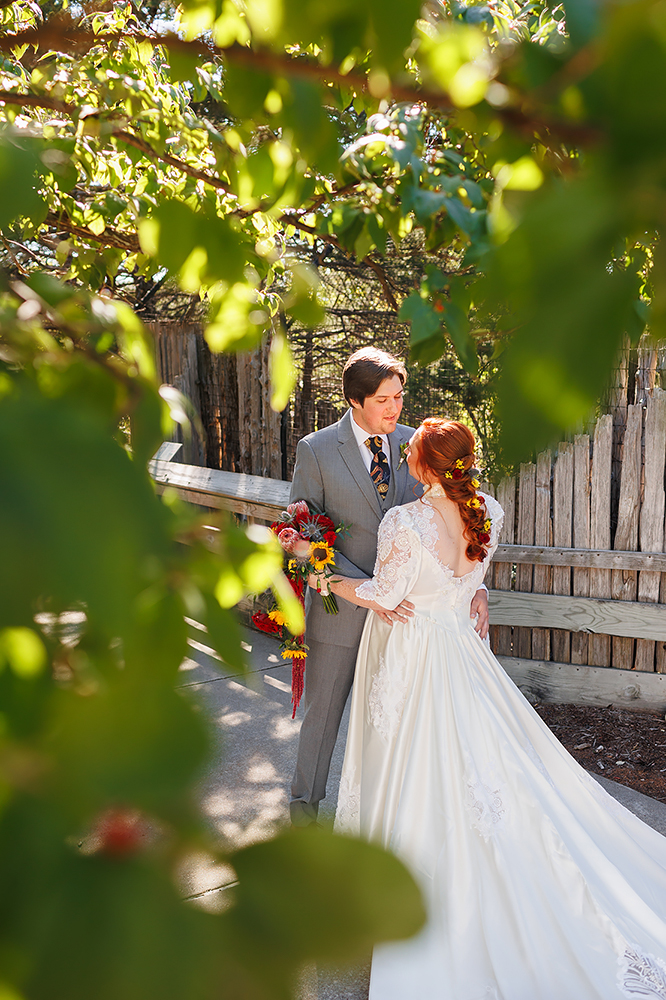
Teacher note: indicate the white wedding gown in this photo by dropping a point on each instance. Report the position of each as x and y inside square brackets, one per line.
[538, 884]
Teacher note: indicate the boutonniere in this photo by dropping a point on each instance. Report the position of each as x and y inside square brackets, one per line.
[403, 453]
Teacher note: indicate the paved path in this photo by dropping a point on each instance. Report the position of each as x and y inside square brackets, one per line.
[245, 792]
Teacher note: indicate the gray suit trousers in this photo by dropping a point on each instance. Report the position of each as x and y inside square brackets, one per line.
[328, 680]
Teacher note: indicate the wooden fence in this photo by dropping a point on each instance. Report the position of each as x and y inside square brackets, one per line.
[576, 602]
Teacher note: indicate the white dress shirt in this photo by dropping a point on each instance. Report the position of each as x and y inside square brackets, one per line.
[362, 436]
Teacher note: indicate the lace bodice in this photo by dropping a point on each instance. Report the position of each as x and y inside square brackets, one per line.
[408, 565]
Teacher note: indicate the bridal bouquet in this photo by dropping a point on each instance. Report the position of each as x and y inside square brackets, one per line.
[308, 541]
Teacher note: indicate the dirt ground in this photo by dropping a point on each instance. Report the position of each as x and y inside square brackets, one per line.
[627, 747]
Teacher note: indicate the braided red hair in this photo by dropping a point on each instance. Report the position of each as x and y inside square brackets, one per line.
[447, 446]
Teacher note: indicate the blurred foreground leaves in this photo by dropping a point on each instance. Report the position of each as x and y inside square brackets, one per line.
[99, 754]
[225, 144]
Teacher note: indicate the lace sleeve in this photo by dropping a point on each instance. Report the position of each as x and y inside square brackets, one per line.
[496, 515]
[398, 561]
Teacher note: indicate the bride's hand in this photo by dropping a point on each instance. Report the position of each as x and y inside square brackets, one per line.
[402, 613]
[319, 583]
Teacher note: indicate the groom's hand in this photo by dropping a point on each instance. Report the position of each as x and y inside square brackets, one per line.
[404, 611]
[479, 607]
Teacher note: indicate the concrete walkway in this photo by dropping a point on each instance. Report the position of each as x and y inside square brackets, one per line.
[246, 791]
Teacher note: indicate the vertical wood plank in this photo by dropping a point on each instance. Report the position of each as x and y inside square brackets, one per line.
[660, 651]
[581, 534]
[624, 583]
[651, 525]
[543, 529]
[522, 637]
[500, 635]
[599, 646]
[562, 536]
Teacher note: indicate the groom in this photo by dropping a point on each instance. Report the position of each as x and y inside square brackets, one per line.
[349, 470]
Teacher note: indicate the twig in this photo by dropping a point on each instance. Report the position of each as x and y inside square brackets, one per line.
[110, 237]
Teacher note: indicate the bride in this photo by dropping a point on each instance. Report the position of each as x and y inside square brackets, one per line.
[538, 884]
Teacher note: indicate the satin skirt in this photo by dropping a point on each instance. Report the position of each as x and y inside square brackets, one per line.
[538, 884]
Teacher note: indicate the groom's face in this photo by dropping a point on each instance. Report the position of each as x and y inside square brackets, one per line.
[379, 413]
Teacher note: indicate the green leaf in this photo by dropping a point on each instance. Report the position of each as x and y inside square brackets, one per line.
[282, 371]
[224, 634]
[23, 650]
[370, 897]
[19, 169]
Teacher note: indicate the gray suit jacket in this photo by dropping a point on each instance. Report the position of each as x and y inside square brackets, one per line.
[330, 475]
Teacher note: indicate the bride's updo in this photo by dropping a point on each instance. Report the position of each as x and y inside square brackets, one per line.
[446, 451]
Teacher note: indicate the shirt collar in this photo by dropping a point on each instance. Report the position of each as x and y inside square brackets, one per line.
[362, 436]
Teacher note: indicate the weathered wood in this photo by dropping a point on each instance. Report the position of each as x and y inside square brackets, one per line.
[624, 582]
[562, 536]
[599, 646]
[592, 558]
[177, 357]
[252, 495]
[167, 451]
[522, 638]
[500, 635]
[578, 614]
[651, 528]
[565, 683]
[543, 529]
[581, 533]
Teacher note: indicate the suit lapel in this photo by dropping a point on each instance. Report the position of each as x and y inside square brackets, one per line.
[351, 456]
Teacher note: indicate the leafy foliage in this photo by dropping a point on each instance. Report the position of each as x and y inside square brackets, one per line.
[99, 755]
[524, 140]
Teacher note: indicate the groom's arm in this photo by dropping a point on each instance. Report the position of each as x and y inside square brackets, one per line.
[308, 484]
[479, 607]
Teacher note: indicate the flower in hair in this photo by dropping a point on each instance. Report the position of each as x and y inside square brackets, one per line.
[460, 464]
[457, 473]
[484, 538]
[476, 484]
[486, 524]
[448, 475]
[474, 502]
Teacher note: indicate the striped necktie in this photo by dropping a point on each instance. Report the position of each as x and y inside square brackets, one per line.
[380, 472]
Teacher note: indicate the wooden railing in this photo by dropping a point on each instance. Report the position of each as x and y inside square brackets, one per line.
[262, 498]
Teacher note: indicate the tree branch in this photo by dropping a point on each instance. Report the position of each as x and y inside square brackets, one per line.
[109, 238]
[39, 101]
[68, 39]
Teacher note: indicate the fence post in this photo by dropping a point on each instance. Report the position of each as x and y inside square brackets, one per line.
[624, 582]
[522, 637]
[652, 512]
[581, 534]
[506, 495]
[599, 646]
[543, 535]
[562, 526]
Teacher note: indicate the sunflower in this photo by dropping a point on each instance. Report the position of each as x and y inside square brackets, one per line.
[486, 525]
[476, 484]
[474, 502]
[276, 616]
[321, 555]
[294, 654]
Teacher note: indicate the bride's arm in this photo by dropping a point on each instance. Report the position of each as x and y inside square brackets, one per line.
[346, 586]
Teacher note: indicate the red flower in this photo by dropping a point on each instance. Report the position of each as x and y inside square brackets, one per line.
[457, 473]
[330, 537]
[484, 538]
[266, 624]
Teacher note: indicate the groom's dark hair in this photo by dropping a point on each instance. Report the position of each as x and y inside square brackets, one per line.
[366, 370]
